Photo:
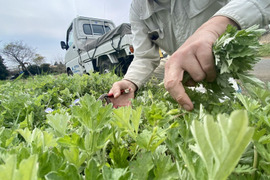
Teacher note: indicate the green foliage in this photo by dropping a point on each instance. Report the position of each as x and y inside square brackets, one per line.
[3, 69]
[53, 127]
[235, 53]
[264, 51]
[27, 169]
[220, 145]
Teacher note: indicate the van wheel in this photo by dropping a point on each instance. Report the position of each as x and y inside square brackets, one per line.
[105, 66]
[69, 72]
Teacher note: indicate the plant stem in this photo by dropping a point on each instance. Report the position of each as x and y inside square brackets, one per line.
[255, 161]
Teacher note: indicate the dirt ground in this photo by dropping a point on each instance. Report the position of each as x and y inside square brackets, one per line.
[262, 70]
[265, 38]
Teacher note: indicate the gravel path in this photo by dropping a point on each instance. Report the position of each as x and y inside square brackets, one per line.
[262, 70]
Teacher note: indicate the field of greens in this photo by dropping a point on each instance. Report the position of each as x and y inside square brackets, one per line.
[54, 128]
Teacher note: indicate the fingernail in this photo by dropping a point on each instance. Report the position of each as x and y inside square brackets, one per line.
[186, 107]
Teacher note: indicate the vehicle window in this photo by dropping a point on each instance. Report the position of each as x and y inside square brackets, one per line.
[70, 36]
[98, 29]
[95, 29]
[107, 28]
[87, 29]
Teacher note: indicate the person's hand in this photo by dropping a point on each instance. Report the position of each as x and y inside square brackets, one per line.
[118, 98]
[194, 56]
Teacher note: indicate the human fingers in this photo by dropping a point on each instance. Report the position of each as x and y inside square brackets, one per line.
[115, 91]
[206, 60]
[186, 59]
[119, 86]
[123, 100]
[173, 84]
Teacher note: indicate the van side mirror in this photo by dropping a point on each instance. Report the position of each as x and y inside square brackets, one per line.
[63, 45]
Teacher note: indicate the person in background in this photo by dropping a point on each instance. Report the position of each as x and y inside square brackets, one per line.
[186, 30]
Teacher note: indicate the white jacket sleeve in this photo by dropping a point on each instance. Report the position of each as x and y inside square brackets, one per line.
[146, 55]
[247, 12]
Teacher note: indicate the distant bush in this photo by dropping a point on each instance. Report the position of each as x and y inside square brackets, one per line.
[45, 68]
[3, 70]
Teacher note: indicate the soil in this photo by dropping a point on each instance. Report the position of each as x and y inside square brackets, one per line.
[262, 69]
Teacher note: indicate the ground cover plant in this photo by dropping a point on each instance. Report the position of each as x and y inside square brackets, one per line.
[53, 127]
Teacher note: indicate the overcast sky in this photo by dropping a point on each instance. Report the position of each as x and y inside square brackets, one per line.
[42, 24]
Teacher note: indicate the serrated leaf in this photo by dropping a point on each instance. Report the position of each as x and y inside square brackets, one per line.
[127, 120]
[119, 157]
[70, 141]
[221, 144]
[151, 140]
[74, 156]
[49, 161]
[69, 173]
[164, 168]
[235, 54]
[113, 174]
[59, 123]
[92, 171]
[91, 113]
[251, 80]
[142, 166]
[136, 117]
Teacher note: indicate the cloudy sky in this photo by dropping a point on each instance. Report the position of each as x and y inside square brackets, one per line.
[42, 24]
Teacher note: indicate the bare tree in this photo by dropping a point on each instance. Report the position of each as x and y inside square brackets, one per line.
[20, 53]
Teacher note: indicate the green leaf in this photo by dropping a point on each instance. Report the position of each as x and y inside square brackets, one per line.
[119, 156]
[8, 170]
[49, 161]
[194, 164]
[74, 156]
[26, 134]
[250, 104]
[92, 171]
[113, 174]
[94, 141]
[27, 170]
[69, 173]
[249, 79]
[59, 123]
[165, 168]
[221, 144]
[38, 137]
[127, 120]
[155, 113]
[235, 54]
[151, 140]
[91, 113]
[141, 166]
[70, 141]
[136, 117]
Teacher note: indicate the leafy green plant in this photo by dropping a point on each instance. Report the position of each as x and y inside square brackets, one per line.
[236, 52]
[53, 127]
[220, 145]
